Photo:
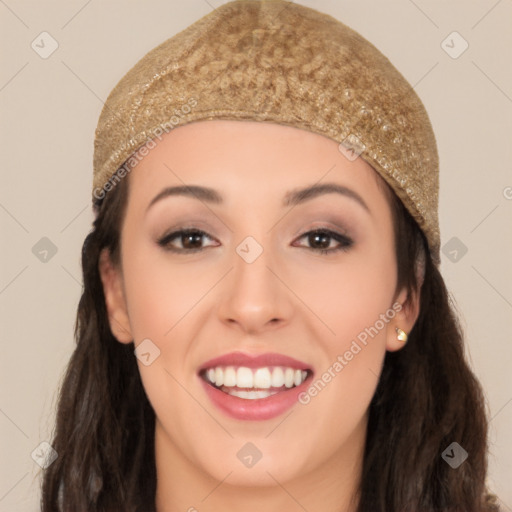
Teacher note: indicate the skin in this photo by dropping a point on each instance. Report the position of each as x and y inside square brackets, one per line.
[291, 300]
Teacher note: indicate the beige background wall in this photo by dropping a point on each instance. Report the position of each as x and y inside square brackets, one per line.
[49, 109]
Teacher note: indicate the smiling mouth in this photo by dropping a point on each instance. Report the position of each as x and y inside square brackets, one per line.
[254, 383]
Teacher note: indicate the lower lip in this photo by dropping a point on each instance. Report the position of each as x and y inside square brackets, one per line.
[258, 409]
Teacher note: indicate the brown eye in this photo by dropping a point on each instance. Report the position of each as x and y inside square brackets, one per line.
[190, 240]
[320, 240]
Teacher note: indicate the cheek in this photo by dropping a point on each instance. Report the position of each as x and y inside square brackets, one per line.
[161, 297]
[347, 296]
[164, 298]
[352, 302]
[161, 293]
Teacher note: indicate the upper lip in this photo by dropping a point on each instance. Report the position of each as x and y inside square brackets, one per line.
[254, 361]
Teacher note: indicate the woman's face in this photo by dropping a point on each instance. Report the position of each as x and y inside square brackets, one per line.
[255, 282]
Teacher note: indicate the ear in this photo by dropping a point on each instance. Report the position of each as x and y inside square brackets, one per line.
[407, 309]
[114, 298]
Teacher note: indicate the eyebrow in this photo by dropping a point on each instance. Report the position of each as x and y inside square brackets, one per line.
[291, 198]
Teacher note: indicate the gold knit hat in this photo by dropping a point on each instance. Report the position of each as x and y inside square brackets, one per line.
[278, 62]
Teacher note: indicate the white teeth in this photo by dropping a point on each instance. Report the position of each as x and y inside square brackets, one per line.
[229, 377]
[251, 395]
[262, 378]
[244, 378]
[258, 378]
[288, 377]
[219, 377]
[277, 377]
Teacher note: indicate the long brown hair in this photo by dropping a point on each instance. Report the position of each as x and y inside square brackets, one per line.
[426, 399]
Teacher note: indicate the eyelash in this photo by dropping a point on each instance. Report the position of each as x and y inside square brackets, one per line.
[345, 241]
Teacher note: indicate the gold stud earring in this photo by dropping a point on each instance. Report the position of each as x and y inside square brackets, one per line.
[401, 335]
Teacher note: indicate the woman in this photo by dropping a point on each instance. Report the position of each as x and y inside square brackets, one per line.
[263, 323]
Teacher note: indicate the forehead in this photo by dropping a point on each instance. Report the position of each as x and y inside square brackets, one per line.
[245, 157]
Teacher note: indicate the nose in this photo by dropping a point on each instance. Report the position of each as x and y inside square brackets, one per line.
[255, 296]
